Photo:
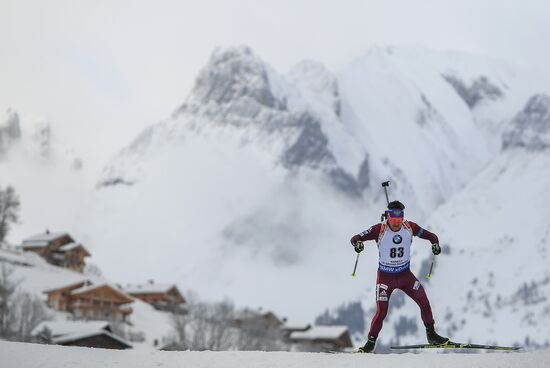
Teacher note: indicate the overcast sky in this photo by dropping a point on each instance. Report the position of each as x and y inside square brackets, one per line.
[109, 68]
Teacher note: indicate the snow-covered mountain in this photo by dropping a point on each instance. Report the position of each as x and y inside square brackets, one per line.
[240, 184]
[492, 282]
[252, 187]
[240, 100]
[498, 227]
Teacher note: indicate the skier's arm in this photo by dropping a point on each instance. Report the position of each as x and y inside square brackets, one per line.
[423, 233]
[371, 233]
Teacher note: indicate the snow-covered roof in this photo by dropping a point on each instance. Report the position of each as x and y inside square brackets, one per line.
[43, 237]
[251, 313]
[35, 243]
[59, 328]
[65, 331]
[295, 326]
[87, 288]
[147, 288]
[82, 335]
[69, 246]
[64, 286]
[320, 332]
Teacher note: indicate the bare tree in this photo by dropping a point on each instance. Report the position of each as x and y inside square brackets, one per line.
[126, 331]
[9, 210]
[93, 270]
[26, 312]
[255, 333]
[20, 312]
[205, 326]
[219, 326]
[7, 290]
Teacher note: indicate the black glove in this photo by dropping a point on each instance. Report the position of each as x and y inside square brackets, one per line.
[358, 246]
[436, 249]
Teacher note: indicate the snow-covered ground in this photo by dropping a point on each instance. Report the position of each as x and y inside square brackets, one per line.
[18, 355]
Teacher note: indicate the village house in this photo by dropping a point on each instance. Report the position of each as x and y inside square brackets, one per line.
[59, 249]
[267, 319]
[93, 334]
[301, 337]
[165, 297]
[87, 301]
[321, 338]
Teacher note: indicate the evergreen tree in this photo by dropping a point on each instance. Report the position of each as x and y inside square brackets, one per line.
[9, 210]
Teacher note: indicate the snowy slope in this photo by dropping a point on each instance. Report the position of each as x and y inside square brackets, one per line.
[498, 230]
[429, 119]
[47, 356]
[492, 282]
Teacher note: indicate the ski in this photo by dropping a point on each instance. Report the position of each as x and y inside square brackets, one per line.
[340, 352]
[455, 345]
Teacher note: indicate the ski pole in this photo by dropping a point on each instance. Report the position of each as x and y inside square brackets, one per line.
[429, 275]
[355, 268]
[385, 185]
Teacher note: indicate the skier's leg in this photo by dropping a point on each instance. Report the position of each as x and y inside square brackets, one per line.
[384, 288]
[412, 287]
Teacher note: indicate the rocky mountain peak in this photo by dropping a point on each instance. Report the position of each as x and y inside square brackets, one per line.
[531, 126]
[478, 90]
[233, 74]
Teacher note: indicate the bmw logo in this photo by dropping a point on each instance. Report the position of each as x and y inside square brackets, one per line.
[397, 239]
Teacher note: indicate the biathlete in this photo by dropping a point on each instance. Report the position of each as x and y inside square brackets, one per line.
[394, 237]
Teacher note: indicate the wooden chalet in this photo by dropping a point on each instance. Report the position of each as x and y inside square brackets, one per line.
[258, 318]
[164, 297]
[94, 334]
[322, 338]
[58, 249]
[87, 301]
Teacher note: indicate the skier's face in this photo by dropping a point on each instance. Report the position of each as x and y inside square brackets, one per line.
[395, 222]
[395, 218]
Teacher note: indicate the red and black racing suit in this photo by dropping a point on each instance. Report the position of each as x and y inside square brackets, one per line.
[405, 280]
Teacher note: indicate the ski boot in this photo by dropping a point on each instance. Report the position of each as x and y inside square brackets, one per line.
[369, 346]
[433, 337]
